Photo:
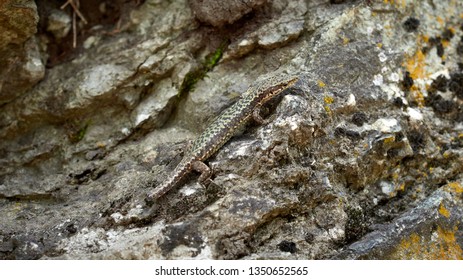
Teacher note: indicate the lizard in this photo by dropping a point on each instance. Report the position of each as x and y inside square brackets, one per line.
[222, 129]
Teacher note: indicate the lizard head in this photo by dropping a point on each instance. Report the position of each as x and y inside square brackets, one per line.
[272, 86]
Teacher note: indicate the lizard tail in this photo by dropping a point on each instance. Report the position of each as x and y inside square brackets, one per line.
[178, 174]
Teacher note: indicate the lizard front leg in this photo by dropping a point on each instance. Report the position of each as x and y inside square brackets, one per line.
[258, 118]
[256, 115]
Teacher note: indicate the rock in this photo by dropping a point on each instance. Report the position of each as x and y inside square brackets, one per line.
[59, 23]
[20, 57]
[429, 231]
[18, 22]
[221, 13]
[155, 108]
[286, 27]
[361, 158]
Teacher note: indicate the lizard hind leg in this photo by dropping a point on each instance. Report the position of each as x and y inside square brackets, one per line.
[256, 115]
[202, 168]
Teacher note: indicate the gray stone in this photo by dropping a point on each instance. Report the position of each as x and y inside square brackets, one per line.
[353, 163]
[220, 13]
[428, 231]
[59, 23]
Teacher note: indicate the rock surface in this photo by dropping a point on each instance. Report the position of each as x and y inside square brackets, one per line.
[220, 13]
[361, 159]
[22, 65]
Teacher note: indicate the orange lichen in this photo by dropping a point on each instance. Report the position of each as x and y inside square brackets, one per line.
[415, 65]
[328, 110]
[389, 140]
[440, 20]
[450, 248]
[443, 211]
[418, 96]
[454, 187]
[328, 99]
[442, 245]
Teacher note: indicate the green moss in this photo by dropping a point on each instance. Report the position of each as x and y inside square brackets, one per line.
[213, 58]
[194, 76]
[77, 131]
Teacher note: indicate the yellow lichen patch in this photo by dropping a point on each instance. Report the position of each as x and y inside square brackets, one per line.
[389, 140]
[401, 3]
[441, 246]
[345, 41]
[415, 65]
[408, 248]
[418, 96]
[328, 110]
[449, 250]
[321, 84]
[379, 45]
[447, 154]
[443, 211]
[101, 144]
[328, 99]
[454, 187]
[425, 38]
[440, 20]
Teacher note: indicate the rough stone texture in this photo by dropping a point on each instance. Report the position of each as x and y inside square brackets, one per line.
[279, 24]
[18, 21]
[363, 158]
[20, 59]
[219, 13]
[428, 231]
[59, 23]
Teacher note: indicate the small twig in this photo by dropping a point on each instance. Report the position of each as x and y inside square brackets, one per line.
[74, 31]
[65, 5]
[76, 12]
[75, 7]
